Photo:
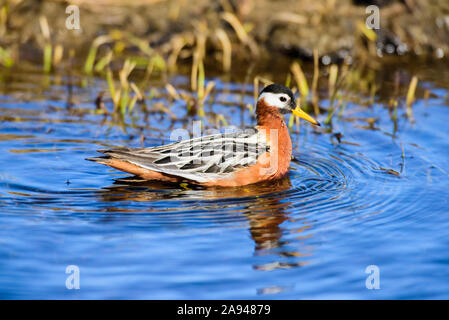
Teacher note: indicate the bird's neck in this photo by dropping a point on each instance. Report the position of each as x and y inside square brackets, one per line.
[268, 117]
[272, 123]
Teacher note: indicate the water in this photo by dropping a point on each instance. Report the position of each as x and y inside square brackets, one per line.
[378, 198]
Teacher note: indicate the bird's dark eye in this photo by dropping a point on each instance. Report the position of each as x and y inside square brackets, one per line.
[283, 99]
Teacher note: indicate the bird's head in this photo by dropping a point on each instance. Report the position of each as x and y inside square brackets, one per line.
[282, 98]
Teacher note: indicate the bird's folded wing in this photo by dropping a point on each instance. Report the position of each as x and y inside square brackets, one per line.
[201, 159]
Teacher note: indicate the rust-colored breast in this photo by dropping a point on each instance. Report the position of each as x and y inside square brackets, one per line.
[270, 165]
[270, 120]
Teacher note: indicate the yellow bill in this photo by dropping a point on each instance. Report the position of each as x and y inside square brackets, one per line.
[299, 113]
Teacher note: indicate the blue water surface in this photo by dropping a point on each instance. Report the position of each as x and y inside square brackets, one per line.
[379, 197]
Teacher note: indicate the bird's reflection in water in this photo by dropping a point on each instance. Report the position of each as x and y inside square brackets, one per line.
[266, 216]
[264, 206]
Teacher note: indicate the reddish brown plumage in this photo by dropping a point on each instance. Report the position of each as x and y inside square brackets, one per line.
[269, 118]
[278, 158]
[139, 171]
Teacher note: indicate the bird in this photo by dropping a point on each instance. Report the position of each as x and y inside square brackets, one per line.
[230, 159]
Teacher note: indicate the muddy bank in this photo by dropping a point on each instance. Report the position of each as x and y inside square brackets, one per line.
[246, 29]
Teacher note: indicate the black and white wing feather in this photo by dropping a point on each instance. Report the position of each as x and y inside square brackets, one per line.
[201, 159]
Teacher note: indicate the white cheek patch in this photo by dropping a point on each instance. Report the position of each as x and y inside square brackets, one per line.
[272, 99]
